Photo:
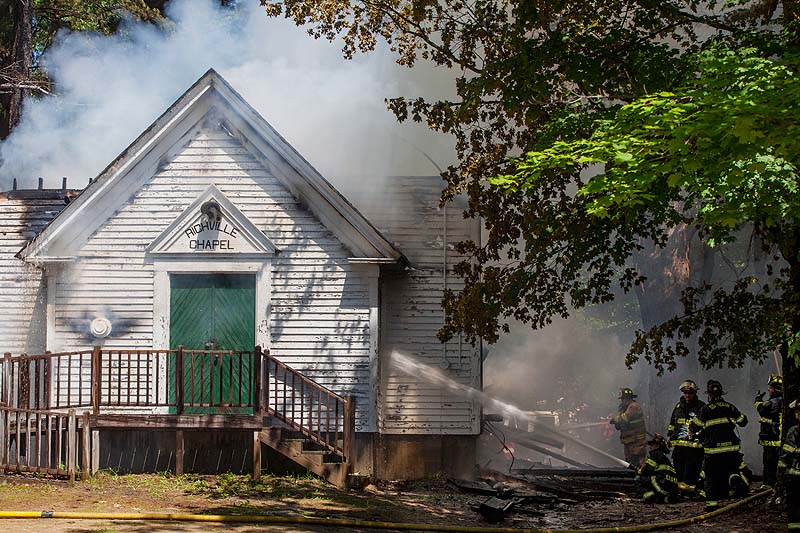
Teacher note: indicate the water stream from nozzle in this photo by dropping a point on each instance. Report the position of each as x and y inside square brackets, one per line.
[412, 367]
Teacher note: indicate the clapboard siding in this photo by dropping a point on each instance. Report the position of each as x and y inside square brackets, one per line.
[23, 292]
[407, 213]
[319, 319]
[319, 306]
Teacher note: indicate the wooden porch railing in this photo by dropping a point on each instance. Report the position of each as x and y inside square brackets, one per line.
[318, 413]
[44, 441]
[182, 381]
[179, 379]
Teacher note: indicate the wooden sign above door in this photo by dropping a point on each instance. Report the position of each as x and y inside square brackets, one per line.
[212, 225]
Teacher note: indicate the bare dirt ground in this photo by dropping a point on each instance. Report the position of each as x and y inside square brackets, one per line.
[431, 501]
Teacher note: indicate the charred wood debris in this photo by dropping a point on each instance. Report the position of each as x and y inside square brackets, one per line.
[531, 488]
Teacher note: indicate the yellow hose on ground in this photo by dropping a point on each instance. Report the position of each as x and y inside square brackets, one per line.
[269, 519]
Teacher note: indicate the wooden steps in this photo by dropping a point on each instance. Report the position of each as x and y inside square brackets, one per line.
[306, 453]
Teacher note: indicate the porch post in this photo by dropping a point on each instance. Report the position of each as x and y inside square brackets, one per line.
[256, 456]
[6, 393]
[179, 453]
[72, 452]
[85, 447]
[96, 380]
[95, 467]
[179, 381]
[257, 400]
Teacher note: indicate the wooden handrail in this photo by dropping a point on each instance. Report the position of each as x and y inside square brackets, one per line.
[305, 378]
[317, 412]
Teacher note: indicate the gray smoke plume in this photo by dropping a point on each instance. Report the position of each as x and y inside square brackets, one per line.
[109, 89]
[561, 367]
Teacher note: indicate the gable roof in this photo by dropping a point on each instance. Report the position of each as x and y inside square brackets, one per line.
[209, 95]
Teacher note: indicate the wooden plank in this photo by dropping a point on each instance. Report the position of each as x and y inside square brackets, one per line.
[48, 443]
[38, 439]
[186, 422]
[179, 450]
[95, 466]
[256, 456]
[71, 446]
[257, 380]
[4, 453]
[333, 472]
[43, 470]
[59, 441]
[18, 439]
[5, 399]
[179, 384]
[97, 378]
[85, 448]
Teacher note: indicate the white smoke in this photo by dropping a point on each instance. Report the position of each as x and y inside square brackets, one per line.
[567, 360]
[107, 90]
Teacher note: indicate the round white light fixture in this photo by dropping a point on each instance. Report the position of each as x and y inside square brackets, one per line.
[100, 327]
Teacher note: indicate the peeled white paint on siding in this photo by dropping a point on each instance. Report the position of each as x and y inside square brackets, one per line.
[408, 214]
[319, 306]
[22, 287]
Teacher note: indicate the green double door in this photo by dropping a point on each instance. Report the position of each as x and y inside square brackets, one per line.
[213, 312]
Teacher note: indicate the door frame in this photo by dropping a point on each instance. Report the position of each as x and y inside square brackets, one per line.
[163, 267]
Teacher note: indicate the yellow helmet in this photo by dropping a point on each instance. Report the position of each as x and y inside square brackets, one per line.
[775, 381]
[688, 385]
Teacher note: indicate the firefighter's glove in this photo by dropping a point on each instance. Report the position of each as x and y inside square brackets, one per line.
[760, 396]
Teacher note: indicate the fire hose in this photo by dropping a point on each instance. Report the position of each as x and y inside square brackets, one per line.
[335, 522]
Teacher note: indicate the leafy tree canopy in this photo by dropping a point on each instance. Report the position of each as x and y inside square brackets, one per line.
[28, 27]
[721, 152]
[685, 109]
[50, 16]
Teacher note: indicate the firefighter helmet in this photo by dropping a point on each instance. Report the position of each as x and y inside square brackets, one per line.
[714, 388]
[626, 393]
[658, 440]
[688, 385]
[775, 381]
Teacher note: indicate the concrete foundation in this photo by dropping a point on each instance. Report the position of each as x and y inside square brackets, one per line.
[420, 456]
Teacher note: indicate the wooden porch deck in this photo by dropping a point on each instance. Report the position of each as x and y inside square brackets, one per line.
[54, 405]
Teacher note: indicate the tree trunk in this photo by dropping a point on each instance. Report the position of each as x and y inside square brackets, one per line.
[668, 271]
[21, 64]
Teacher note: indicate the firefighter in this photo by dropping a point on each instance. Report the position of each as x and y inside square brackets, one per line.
[687, 453]
[657, 475]
[717, 423]
[789, 463]
[630, 423]
[740, 480]
[770, 414]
